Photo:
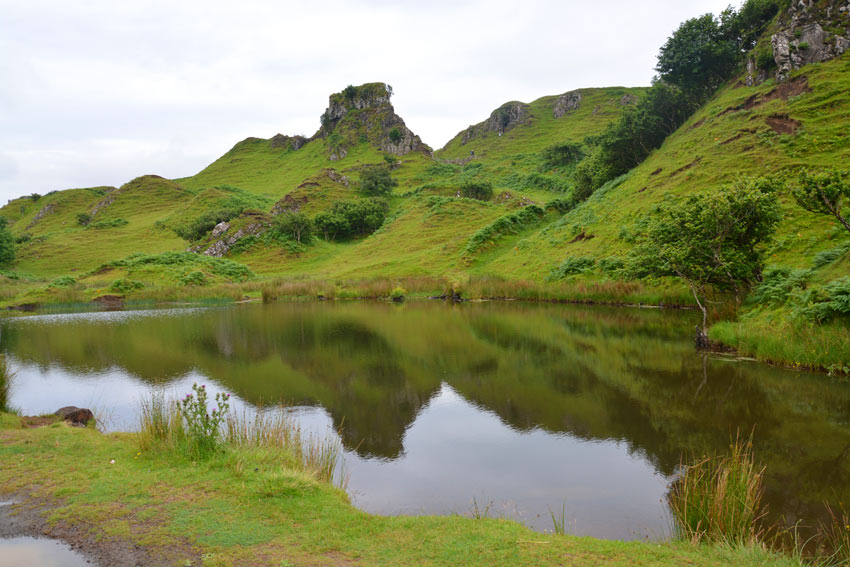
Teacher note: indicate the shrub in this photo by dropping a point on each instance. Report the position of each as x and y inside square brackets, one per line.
[395, 135]
[826, 257]
[194, 277]
[34, 196]
[25, 237]
[829, 302]
[125, 285]
[376, 180]
[824, 192]
[203, 427]
[63, 281]
[571, 267]
[507, 224]
[397, 294]
[7, 244]
[612, 265]
[481, 190]
[83, 219]
[565, 153]
[778, 283]
[294, 225]
[349, 219]
[561, 205]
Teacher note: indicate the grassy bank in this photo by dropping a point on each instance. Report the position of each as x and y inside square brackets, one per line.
[247, 506]
[775, 336]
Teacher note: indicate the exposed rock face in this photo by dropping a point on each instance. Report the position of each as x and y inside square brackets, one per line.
[364, 113]
[75, 415]
[501, 120]
[45, 210]
[289, 203]
[287, 142]
[222, 238]
[565, 103]
[804, 38]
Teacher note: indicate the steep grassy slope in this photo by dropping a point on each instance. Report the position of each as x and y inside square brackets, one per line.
[742, 131]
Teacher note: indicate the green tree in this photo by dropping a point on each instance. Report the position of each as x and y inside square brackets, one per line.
[295, 225]
[83, 219]
[481, 190]
[711, 240]
[825, 192]
[395, 135]
[564, 153]
[349, 219]
[376, 181]
[7, 244]
[699, 56]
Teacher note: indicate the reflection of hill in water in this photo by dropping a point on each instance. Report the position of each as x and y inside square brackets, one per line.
[629, 375]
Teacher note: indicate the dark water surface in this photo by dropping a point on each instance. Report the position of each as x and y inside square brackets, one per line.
[520, 409]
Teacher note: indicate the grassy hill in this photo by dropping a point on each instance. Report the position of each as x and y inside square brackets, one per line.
[431, 231]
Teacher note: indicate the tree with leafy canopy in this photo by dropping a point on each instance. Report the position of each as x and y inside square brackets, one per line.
[376, 181]
[7, 244]
[711, 240]
[825, 192]
[295, 225]
[699, 56]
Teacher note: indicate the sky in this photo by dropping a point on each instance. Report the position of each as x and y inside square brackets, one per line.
[99, 92]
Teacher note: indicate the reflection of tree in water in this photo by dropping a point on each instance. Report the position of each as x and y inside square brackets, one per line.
[595, 374]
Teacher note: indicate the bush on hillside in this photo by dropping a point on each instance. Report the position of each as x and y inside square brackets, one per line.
[294, 225]
[350, 219]
[7, 244]
[564, 153]
[83, 219]
[480, 190]
[376, 181]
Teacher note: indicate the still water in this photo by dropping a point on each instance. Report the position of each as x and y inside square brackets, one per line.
[521, 410]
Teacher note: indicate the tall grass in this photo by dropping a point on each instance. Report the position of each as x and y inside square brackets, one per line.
[5, 385]
[162, 429]
[718, 499]
[836, 539]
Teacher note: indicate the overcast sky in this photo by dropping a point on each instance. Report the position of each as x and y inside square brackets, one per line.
[99, 92]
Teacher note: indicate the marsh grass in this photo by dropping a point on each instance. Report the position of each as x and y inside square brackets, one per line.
[559, 523]
[718, 499]
[273, 436]
[835, 539]
[479, 512]
[5, 385]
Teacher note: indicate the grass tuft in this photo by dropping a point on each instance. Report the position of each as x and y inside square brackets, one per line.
[718, 499]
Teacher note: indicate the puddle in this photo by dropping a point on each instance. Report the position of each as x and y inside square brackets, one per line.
[33, 552]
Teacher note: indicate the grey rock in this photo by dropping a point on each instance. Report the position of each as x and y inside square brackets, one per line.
[503, 119]
[565, 103]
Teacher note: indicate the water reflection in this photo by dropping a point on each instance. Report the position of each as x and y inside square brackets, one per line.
[529, 406]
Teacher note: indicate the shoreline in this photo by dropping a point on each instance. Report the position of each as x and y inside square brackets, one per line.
[110, 501]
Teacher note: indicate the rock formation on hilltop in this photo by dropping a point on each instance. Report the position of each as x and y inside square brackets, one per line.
[364, 114]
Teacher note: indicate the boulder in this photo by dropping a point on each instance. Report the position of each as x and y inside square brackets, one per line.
[75, 415]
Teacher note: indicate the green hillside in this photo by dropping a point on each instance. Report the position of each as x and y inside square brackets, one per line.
[540, 236]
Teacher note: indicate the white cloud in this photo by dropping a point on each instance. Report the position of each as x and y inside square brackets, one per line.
[98, 92]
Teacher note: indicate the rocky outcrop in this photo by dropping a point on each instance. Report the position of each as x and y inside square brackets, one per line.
[810, 32]
[565, 103]
[503, 119]
[364, 113]
[226, 234]
[287, 142]
[45, 210]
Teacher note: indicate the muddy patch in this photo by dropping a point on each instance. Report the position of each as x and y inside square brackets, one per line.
[795, 87]
[782, 124]
[582, 236]
[686, 167]
[24, 517]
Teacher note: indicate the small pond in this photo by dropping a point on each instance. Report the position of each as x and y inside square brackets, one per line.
[519, 410]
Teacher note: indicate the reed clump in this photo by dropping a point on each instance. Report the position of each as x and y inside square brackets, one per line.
[5, 385]
[719, 499]
[266, 435]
